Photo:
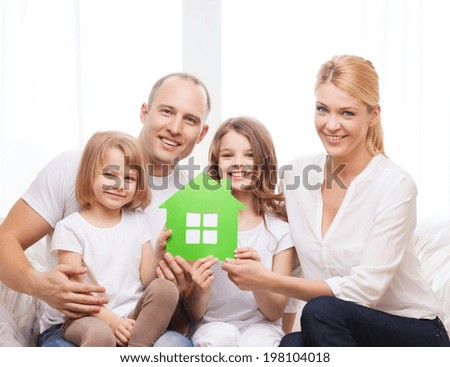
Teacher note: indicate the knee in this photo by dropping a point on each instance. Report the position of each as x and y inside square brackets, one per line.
[99, 336]
[164, 291]
[319, 308]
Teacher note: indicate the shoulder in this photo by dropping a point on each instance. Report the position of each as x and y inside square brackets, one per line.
[136, 221]
[392, 175]
[72, 221]
[276, 226]
[64, 162]
[279, 231]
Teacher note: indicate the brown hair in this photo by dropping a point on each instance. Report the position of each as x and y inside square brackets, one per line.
[91, 165]
[265, 200]
[357, 77]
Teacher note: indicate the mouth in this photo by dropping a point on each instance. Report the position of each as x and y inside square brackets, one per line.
[116, 195]
[239, 175]
[169, 142]
[335, 137]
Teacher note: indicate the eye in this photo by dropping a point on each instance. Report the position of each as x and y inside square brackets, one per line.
[191, 120]
[130, 179]
[226, 155]
[166, 111]
[250, 155]
[109, 174]
[348, 114]
[321, 109]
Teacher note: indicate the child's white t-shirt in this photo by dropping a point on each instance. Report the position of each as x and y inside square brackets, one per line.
[113, 256]
[227, 302]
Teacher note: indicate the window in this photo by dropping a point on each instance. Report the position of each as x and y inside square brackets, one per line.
[201, 228]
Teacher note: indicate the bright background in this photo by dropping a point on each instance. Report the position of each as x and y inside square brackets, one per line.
[71, 67]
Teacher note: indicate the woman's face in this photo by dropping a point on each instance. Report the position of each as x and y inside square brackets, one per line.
[342, 122]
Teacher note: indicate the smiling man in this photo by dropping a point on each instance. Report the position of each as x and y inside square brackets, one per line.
[173, 123]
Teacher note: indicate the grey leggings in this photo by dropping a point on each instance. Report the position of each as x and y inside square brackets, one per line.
[152, 313]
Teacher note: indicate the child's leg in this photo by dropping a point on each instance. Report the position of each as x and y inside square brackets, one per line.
[261, 335]
[88, 332]
[216, 334]
[153, 312]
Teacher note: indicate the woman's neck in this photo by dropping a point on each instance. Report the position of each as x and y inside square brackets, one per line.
[344, 168]
[102, 217]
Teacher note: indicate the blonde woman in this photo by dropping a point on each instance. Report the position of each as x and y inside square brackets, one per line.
[352, 220]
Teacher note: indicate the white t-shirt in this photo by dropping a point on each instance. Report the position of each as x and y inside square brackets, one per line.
[227, 303]
[113, 256]
[52, 194]
[366, 256]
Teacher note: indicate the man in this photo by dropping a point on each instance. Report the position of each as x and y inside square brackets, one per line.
[173, 123]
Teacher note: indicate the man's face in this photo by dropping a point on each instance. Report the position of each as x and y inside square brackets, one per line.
[174, 123]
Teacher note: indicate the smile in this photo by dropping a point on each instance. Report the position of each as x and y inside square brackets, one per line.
[169, 142]
[335, 137]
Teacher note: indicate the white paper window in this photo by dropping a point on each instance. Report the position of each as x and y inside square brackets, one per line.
[193, 236]
[210, 219]
[201, 228]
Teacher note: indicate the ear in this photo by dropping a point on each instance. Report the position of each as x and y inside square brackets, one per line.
[144, 112]
[203, 133]
[375, 116]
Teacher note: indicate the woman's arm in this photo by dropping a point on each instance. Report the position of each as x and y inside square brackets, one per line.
[272, 304]
[251, 275]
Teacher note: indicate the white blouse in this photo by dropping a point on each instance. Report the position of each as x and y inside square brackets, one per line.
[366, 256]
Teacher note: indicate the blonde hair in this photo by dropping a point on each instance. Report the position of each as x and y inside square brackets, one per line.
[91, 165]
[265, 200]
[357, 77]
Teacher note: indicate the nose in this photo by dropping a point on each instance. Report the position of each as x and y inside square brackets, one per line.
[238, 161]
[333, 123]
[175, 125]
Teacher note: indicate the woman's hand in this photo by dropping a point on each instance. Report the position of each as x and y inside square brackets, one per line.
[248, 275]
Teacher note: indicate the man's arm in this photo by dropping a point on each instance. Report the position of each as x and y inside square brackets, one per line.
[22, 228]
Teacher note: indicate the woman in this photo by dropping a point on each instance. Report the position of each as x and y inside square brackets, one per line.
[352, 221]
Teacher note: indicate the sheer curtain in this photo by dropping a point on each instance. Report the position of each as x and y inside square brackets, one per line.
[272, 51]
[69, 68]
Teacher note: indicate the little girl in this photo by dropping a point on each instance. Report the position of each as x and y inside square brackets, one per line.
[111, 238]
[242, 151]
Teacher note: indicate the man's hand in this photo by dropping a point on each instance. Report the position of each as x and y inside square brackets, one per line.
[72, 298]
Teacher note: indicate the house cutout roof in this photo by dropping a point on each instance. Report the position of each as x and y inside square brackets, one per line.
[203, 217]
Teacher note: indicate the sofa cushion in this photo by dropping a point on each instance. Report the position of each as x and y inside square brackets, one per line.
[432, 243]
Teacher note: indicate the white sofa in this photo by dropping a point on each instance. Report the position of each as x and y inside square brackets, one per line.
[19, 313]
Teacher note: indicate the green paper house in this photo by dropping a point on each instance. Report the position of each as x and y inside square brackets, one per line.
[203, 217]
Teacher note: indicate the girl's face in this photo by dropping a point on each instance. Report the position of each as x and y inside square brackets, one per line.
[342, 122]
[115, 184]
[236, 160]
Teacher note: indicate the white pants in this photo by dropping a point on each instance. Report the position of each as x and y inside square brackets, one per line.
[222, 334]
